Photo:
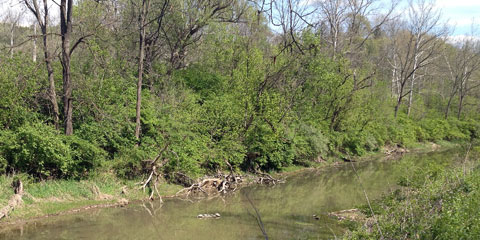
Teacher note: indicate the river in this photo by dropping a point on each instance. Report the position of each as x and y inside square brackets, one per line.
[286, 209]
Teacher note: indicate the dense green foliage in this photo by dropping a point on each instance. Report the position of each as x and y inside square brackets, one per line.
[219, 90]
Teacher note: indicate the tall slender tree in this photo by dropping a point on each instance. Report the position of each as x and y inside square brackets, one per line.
[66, 11]
[42, 17]
[142, 21]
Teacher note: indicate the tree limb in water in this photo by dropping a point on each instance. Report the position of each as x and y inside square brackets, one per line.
[258, 217]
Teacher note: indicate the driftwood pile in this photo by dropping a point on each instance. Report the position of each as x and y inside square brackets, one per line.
[219, 184]
[267, 179]
[223, 184]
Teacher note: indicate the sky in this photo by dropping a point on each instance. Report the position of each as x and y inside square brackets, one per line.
[458, 13]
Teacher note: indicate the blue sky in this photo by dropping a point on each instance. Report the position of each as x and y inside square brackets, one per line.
[461, 13]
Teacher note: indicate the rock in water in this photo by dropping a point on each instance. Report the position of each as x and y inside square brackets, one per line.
[207, 215]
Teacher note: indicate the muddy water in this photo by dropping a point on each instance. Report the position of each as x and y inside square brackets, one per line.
[286, 210]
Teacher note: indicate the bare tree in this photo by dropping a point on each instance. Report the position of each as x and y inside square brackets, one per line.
[13, 18]
[417, 47]
[41, 14]
[468, 64]
[291, 17]
[350, 23]
[154, 48]
[462, 61]
[334, 13]
[167, 29]
[187, 23]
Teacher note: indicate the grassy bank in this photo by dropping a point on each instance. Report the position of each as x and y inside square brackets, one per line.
[53, 197]
[433, 202]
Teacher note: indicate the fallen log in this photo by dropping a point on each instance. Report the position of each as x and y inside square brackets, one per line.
[15, 200]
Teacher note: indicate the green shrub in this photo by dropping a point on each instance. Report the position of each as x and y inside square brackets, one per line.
[43, 152]
[37, 149]
[436, 129]
[107, 136]
[85, 156]
[273, 151]
[128, 162]
[460, 217]
[202, 82]
[309, 143]
[402, 131]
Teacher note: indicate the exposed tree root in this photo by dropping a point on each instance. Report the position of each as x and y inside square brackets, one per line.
[151, 166]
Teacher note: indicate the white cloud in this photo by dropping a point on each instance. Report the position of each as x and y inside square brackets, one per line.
[460, 38]
[458, 3]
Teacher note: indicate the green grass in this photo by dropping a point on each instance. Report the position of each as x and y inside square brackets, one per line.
[56, 196]
[5, 190]
[46, 208]
[62, 189]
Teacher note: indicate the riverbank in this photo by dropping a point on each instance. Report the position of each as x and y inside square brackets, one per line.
[58, 197]
[432, 202]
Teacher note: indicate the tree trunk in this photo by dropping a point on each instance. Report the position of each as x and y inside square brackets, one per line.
[394, 78]
[412, 83]
[142, 20]
[66, 30]
[399, 100]
[460, 106]
[410, 96]
[52, 95]
[34, 51]
[396, 108]
[447, 109]
[11, 38]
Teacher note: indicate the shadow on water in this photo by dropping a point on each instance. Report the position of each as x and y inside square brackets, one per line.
[286, 209]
